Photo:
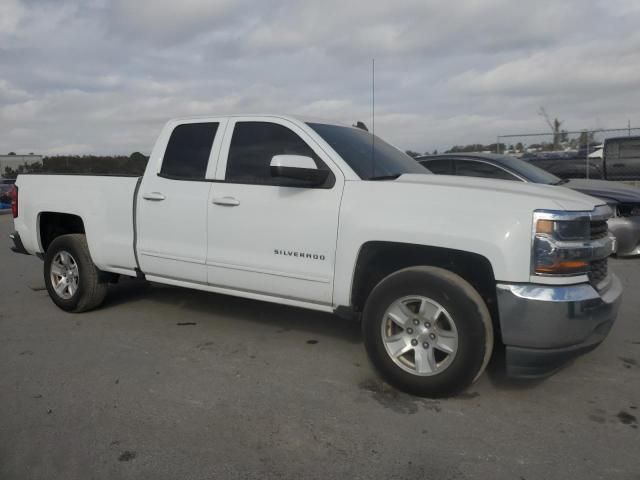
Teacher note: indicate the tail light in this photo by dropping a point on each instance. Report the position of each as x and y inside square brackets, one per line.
[14, 201]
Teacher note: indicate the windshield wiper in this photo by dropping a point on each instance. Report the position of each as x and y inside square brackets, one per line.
[562, 181]
[386, 177]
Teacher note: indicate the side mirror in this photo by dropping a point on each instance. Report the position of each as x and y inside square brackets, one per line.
[298, 167]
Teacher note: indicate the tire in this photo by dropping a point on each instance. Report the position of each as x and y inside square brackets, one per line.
[446, 337]
[76, 285]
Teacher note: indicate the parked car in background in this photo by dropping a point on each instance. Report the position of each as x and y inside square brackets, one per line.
[624, 199]
[5, 193]
[621, 158]
[617, 159]
[568, 166]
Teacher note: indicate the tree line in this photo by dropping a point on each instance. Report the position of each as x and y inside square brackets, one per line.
[472, 147]
[134, 164]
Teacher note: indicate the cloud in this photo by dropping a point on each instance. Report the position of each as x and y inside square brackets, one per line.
[167, 21]
[422, 27]
[11, 14]
[10, 93]
[104, 75]
[585, 69]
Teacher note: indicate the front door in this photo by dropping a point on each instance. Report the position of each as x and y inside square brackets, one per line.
[270, 235]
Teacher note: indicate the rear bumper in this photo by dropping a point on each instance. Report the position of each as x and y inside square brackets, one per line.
[545, 326]
[627, 233]
[17, 247]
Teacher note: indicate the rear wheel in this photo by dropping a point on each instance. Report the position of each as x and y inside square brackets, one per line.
[74, 283]
[427, 331]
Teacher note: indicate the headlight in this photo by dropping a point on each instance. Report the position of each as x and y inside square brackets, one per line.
[577, 230]
[562, 243]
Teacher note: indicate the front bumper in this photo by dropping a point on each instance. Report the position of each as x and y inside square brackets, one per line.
[627, 233]
[545, 326]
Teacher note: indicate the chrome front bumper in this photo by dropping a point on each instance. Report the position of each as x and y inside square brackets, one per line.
[544, 326]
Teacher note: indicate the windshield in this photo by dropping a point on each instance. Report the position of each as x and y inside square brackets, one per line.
[528, 171]
[369, 159]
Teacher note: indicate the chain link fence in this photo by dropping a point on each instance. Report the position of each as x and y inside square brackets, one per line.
[579, 154]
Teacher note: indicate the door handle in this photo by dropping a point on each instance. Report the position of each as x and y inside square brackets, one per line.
[226, 201]
[618, 164]
[154, 196]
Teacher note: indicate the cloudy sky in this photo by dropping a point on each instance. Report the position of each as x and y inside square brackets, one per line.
[100, 76]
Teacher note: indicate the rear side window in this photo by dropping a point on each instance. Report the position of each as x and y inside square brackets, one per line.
[469, 168]
[188, 150]
[254, 144]
[630, 150]
[439, 167]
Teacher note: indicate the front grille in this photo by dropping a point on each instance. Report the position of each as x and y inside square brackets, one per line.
[598, 271]
[599, 229]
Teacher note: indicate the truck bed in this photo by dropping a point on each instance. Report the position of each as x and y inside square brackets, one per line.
[104, 203]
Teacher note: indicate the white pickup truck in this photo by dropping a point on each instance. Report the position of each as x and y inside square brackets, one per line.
[316, 215]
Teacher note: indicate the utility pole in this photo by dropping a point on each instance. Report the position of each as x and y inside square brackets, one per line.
[587, 154]
[373, 116]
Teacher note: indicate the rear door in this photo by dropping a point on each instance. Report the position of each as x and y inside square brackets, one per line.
[172, 201]
[269, 235]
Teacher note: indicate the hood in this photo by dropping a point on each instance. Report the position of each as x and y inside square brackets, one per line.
[606, 190]
[545, 196]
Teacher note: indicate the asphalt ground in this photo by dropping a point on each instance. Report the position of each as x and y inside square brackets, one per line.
[169, 383]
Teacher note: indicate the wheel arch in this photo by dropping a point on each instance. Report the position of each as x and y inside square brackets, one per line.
[378, 259]
[54, 224]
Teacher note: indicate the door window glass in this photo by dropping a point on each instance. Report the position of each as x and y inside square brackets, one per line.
[254, 144]
[188, 150]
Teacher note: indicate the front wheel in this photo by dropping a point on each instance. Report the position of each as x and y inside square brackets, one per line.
[74, 283]
[427, 331]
